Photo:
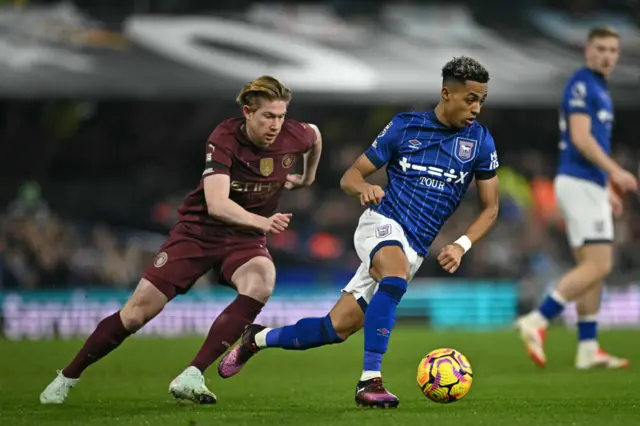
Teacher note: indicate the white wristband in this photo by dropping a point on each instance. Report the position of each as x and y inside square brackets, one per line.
[463, 242]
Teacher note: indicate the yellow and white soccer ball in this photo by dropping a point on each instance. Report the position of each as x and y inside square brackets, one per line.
[445, 375]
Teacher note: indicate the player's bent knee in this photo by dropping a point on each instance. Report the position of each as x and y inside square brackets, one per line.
[256, 279]
[145, 303]
[598, 258]
[134, 317]
[347, 322]
[394, 273]
[605, 266]
[261, 291]
[599, 268]
[601, 271]
[390, 261]
[347, 317]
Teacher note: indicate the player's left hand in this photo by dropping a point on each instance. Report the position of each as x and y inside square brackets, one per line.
[297, 182]
[450, 257]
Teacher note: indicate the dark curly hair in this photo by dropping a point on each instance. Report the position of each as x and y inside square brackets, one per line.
[464, 69]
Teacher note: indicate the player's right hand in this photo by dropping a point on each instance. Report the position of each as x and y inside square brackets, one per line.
[624, 181]
[617, 206]
[371, 195]
[277, 223]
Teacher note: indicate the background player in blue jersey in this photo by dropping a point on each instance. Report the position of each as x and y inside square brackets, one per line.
[431, 159]
[586, 186]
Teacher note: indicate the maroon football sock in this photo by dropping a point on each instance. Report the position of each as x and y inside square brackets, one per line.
[226, 329]
[107, 336]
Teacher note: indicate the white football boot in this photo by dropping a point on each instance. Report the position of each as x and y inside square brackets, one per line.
[190, 385]
[58, 389]
[590, 356]
[533, 333]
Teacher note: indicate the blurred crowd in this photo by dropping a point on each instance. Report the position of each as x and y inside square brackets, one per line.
[96, 201]
[40, 249]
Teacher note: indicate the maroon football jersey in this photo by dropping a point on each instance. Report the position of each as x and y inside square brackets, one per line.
[257, 174]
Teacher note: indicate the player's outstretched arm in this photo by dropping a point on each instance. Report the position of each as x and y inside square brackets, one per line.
[311, 161]
[219, 206]
[353, 182]
[488, 197]
[581, 137]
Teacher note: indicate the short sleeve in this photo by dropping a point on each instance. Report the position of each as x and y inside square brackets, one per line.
[576, 98]
[487, 162]
[219, 156]
[309, 136]
[386, 144]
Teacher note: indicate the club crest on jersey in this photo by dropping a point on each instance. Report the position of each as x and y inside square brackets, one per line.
[266, 166]
[288, 161]
[383, 231]
[465, 149]
[160, 259]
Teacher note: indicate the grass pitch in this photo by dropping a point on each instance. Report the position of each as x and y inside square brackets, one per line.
[316, 387]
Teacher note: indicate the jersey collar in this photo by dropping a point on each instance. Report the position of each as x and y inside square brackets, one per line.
[598, 75]
[434, 119]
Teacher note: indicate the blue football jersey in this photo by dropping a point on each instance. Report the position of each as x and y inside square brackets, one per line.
[585, 93]
[429, 169]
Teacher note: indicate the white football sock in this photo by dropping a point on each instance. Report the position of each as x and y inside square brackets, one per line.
[261, 338]
[588, 318]
[536, 319]
[558, 298]
[588, 347]
[368, 375]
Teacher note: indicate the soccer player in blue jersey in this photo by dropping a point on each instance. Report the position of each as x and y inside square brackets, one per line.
[431, 158]
[583, 185]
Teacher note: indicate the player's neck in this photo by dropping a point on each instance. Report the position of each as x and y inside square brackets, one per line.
[594, 70]
[439, 112]
[245, 130]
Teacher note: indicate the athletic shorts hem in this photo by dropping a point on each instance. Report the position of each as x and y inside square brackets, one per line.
[383, 244]
[597, 241]
[165, 287]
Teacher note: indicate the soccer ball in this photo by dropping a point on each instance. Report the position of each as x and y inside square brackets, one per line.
[444, 375]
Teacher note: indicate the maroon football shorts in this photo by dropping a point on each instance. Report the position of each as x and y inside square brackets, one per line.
[186, 256]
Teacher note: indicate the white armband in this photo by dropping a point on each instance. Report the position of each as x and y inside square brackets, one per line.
[464, 242]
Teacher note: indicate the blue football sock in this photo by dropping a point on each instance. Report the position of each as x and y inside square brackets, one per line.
[552, 306]
[379, 320]
[305, 334]
[372, 361]
[587, 330]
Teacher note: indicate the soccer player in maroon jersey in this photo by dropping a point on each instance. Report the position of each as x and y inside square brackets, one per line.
[222, 225]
